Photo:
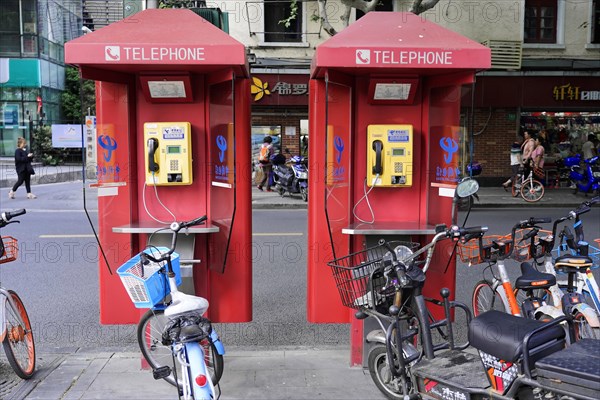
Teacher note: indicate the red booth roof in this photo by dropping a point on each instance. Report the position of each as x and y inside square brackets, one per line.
[398, 42]
[175, 40]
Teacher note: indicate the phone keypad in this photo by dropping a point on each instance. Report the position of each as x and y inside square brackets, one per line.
[398, 167]
[174, 165]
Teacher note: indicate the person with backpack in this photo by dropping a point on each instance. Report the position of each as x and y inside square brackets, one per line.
[264, 158]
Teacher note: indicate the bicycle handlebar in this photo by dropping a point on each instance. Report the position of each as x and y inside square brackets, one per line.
[453, 232]
[175, 228]
[6, 216]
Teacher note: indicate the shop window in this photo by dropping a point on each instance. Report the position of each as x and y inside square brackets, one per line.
[595, 26]
[277, 11]
[540, 21]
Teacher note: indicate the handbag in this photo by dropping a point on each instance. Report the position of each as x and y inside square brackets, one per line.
[30, 169]
[539, 172]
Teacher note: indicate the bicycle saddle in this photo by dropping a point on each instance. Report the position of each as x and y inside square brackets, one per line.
[184, 303]
[572, 263]
[531, 278]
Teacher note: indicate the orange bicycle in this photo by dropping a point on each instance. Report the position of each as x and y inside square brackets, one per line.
[15, 328]
[498, 293]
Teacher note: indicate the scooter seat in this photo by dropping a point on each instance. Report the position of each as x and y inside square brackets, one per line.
[531, 278]
[572, 263]
[577, 365]
[501, 335]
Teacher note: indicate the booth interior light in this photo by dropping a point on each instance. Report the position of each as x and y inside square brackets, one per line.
[167, 88]
[392, 91]
[389, 91]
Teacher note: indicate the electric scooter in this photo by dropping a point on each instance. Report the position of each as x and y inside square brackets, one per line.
[586, 179]
[506, 356]
[292, 178]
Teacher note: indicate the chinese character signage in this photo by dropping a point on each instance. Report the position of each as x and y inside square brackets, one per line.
[572, 92]
[279, 89]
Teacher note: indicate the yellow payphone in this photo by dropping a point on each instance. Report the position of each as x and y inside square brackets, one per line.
[168, 153]
[389, 155]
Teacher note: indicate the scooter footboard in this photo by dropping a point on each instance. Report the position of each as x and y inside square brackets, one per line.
[451, 375]
[574, 370]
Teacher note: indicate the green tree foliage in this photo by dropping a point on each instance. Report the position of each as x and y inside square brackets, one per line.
[71, 97]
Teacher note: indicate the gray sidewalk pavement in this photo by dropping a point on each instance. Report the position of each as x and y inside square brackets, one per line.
[295, 373]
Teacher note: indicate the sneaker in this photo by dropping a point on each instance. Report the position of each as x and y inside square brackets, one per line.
[31, 196]
[269, 190]
[259, 188]
[11, 195]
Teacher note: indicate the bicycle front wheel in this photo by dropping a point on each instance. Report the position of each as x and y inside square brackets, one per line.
[18, 341]
[532, 191]
[149, 336]
[485, 298]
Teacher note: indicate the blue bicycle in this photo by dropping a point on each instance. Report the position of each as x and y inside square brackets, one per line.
[173, 332]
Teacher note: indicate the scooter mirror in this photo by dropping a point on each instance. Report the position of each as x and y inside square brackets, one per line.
[467, 187]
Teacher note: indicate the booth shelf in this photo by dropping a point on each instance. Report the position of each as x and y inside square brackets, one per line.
[389, 228]
[151, 227]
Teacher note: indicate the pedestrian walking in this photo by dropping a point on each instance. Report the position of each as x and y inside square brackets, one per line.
[24, 169]
[264, 158]
[516, 162]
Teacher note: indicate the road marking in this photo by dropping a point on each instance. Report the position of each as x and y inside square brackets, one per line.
[278, 234]
[66, 236]
[42, 210]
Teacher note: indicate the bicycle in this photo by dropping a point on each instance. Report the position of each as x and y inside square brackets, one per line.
[530, 189]
[174, 329]
[15, 327]
[580, 291]
[499, 293]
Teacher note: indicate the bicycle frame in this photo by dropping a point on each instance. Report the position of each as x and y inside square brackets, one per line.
[504, 288]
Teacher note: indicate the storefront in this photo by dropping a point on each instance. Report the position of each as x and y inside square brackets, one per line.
[561, 108]
[280, 109]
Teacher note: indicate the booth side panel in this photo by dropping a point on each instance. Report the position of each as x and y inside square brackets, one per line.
[323, 301]
[116, 175]
[442, 177]
[231, 291]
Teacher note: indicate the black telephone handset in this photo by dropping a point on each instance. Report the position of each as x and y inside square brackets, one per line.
[152, 147]
[378, 147]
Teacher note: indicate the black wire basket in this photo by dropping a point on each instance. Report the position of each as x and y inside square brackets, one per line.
[359, 276]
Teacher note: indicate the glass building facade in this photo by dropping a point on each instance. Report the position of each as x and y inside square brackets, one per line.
[32, 69]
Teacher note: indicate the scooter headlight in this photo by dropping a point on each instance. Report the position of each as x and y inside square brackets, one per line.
[303, 175]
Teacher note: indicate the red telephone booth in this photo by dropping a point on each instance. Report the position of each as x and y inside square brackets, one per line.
[173, 136]
[384, 121]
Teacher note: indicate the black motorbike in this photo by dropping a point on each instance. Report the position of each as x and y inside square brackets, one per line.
[291, 175]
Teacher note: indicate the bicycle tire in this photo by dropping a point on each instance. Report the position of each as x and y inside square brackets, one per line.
[532, 191]
[485, 298]
[583, 330]
[149, 336]
[18, 342]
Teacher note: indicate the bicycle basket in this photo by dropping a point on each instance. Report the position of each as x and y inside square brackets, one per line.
[9, 249]
[522, 250]
[469, 251]
[147, 286]
[352, 275]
